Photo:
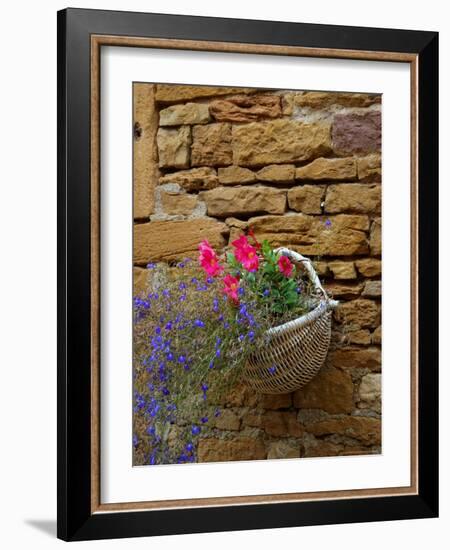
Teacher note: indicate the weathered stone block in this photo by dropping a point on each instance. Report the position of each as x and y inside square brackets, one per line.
[224, 450]
[375, 237]
[282, 424]
[372, 289]
[232, 201]
[323, 100]
[328, 169]
[360, 337]
[170, 240]
[211, 145]
[331, 390]
[352, 358]
[279, 141]
[140, 280]
[190, 113]
[369, 168]
[173, 147]
[145, 165]
[283, 449]
[196, 179]
[367, 430]
[235, 175]
[306, 198]
[227, 420]
[277, 401]
[353, 198]
[344, 291]
[370, 392]
[177, 204]
[359, 313]
[357, 133]
[369, 267]
[171, 93]
[311, 235]
[342, 270]
[277, 173]
[376, 336]
[246, 108]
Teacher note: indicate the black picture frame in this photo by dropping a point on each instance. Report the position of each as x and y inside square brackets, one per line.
[75, 518]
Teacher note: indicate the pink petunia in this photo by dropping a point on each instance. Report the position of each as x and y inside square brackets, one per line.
[231, 287]
[208, 259]
[246, 253]
[285, 266]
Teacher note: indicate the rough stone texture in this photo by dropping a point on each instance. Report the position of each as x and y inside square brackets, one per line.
[369, 358]
[369, 168]
[173, 147]
[360, 313]
[344, 291]
[140, 280]
[219, 450]
[277, 173]
[321, 268]
[190, 113]
[331, 391]
[342, 270]
[277, 401]
[196, 179]
[328, 169]
[145, 166]
[211, 145]
[306, 198]
[317, 447]
[360, 337]
[279, 141]
[246, 108]
[372, 289]
[231, 201]
[284, 449]
[353, 198]
[375, 237]
[169, 240]
[345, 236]
[169, 93]
[369, 267]
[281, 424]
[227, 420]
[357, 133]
[237, 228]
[376, 336]
[364, 429]
[370, 392]
[236, 175]
[320, 100]
[178, 204]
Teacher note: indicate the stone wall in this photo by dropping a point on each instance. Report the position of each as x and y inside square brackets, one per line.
[302, 169]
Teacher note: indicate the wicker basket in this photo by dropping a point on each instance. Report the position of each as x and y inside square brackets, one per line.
[297, 349]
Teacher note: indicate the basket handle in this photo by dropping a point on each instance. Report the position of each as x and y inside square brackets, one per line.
[310, 271]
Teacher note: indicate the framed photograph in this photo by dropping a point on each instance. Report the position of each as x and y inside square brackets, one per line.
[247, 253]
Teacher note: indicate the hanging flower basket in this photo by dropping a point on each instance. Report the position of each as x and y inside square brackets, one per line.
[295, 350]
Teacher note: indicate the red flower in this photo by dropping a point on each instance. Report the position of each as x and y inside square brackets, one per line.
[256, 243]
[285, 266]
[246, 253]
[231, 287]
[208, 259]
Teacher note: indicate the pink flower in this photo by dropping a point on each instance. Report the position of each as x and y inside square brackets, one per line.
[246, 253]
[208, 259]
[285, 266]
[231, 287]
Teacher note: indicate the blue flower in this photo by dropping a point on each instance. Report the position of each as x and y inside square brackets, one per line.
[241, 291]
[211, 364]
[204, 387]
[218, 352]
[182, 286]
[209, 280]
[152, 459]
[168, 326]
[266, 292]
[195, 430]
[182, 359]
[189, 447]
[199, 323]
[151, 265]
[217, 413]
[151, 430]
[328, 223]
[158, 330]
[135, 440]
[251, 335]
[165, 391]
[272, 369]
[204, 419]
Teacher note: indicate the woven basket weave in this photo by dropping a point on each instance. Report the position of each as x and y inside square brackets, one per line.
[297, 349]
